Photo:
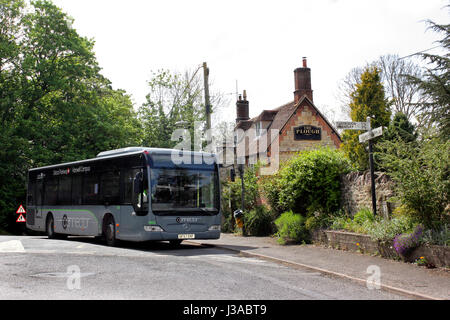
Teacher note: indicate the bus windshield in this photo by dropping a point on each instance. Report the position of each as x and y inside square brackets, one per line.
[184, 190]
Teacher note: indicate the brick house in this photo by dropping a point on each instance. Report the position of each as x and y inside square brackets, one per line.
[299, 124]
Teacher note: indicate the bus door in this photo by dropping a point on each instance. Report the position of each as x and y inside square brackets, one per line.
[135, 201]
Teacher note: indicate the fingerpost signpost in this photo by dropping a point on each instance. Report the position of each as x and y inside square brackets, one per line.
[367, 136]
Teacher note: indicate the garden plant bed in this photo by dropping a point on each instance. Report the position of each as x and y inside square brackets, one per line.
[438, 256]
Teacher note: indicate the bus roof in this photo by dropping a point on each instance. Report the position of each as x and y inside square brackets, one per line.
[111, 154]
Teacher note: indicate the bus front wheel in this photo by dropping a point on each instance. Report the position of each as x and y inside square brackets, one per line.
[50, 227]
[175, 243]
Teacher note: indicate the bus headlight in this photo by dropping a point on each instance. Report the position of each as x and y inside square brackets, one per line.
[214, 228]
[153, 228]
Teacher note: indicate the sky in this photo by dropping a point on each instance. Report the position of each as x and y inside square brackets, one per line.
[256, 43]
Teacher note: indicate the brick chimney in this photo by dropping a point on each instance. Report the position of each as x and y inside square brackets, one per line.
[242, 108]
[303, 82]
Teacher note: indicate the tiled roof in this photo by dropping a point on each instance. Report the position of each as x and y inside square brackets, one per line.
[280, 116]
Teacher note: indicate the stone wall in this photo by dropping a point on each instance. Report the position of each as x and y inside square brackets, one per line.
[438, 256]
[356, 192]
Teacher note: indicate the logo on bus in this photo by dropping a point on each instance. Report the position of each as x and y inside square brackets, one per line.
[64, 222]
[61, 172]
[187, 220]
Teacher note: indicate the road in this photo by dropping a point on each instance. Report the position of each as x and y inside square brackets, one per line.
[84, 269]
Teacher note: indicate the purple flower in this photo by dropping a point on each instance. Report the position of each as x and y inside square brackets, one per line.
[403, 243]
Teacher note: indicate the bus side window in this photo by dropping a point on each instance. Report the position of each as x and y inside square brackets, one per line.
[39, 192]
[109, 185]
[77, 188]
[31, 192]
[64, 190]
[90, 189]
[51, 191]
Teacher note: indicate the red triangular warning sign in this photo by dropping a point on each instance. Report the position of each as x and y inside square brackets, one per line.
[21, 219]
[21, 210]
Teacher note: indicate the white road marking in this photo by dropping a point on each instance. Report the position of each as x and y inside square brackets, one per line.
[11, 246]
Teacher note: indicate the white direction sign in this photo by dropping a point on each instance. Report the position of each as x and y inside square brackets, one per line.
[371, 134]
[348, 125]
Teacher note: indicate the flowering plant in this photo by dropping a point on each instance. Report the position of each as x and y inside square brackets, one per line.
[404, 243]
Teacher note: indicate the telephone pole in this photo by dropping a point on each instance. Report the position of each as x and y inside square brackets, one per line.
[207, 102]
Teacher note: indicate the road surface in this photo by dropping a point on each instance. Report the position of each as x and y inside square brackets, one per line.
[81, 268]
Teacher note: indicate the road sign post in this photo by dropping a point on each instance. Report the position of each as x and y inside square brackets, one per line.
[372, 179]
[348, 125]
[368, 136]
[365, 137]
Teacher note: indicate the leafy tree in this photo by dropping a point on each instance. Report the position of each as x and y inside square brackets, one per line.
[404, 96]
[436, 84]
[173, 98]
[368, 100]
[55, 106]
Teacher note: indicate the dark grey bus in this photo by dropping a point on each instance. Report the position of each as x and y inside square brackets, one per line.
[133, 194]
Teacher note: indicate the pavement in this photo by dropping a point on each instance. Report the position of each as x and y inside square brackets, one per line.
[395, 276]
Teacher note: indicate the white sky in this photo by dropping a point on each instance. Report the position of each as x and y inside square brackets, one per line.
[257, 43]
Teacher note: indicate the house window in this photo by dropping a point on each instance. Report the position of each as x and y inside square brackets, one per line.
[258, 128]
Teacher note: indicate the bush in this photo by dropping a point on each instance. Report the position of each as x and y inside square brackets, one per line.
[363, 216]
[228, 219]
[386, 230]
[361, 222]
[231, 197]
[291, 226]
[270, 186]
[421, 174]
[318, 221]
[310, 182]
[258, 222]
[438, 236]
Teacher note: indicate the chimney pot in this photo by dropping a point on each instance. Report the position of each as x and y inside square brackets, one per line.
[242, 108]
[303, 82]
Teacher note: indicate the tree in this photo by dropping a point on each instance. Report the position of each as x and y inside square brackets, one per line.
[175, 101]
[404, 96]
[368, 100]
[400, 129]
[436, 84]
[55, 106]
[173, 98]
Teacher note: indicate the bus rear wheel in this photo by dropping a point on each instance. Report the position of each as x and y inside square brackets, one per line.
[109, 230]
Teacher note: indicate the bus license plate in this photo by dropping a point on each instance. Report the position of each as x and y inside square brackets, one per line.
[186, 236]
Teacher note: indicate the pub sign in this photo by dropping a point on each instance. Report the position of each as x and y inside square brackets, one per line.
[307, 133]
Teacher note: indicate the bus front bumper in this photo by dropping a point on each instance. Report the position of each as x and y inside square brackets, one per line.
[163, 236]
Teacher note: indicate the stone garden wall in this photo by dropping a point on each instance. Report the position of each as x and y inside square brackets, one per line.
[356, 192]
[438, 256]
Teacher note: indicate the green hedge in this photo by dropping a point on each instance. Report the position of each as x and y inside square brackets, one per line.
[309, 182]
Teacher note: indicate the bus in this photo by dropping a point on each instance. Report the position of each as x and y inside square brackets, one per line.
[132, 194]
